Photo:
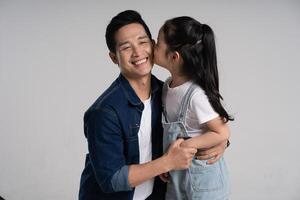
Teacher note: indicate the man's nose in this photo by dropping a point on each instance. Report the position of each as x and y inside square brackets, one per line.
[136, 51]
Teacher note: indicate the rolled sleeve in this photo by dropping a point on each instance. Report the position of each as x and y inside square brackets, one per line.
[106, 149]
[119, 180]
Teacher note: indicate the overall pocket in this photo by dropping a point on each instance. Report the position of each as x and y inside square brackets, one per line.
[205, 177]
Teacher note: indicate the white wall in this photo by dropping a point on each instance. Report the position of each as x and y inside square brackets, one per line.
[54, 63]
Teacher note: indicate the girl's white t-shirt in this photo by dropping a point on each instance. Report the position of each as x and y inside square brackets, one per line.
[199, 109]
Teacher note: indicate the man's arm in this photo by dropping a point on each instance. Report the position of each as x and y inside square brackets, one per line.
[176, 158]
[106, 151]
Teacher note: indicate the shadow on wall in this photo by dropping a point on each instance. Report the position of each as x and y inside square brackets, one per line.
[1, 198]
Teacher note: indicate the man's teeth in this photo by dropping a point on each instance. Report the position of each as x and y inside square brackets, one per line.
[140, 61]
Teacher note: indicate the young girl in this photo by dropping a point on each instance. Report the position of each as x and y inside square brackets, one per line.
[192, 107]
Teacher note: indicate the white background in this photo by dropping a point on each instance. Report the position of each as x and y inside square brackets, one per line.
[54, 63]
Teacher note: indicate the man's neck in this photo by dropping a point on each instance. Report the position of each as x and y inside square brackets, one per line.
[141, 86]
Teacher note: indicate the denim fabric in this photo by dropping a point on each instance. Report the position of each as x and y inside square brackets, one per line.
[201, 181]
[111, 127]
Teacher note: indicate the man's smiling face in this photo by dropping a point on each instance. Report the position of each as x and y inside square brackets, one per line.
[134, 51]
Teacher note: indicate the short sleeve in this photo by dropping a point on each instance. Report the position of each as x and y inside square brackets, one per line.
[201, 107]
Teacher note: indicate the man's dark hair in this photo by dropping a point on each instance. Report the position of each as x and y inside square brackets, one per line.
[122, 19]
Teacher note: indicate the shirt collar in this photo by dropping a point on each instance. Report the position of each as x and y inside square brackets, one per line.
[130, 93]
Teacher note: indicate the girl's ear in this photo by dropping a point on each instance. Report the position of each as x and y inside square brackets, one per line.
[176, 56]
[113, 57]
[177, 59]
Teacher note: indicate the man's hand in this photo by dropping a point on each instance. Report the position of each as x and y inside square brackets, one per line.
[212, 154]
[179, 157]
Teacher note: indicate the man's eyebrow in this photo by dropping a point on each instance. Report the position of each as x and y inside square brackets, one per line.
[143, 37]
[123, 43]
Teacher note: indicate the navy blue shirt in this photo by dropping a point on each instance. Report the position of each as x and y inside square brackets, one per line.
[111, 127]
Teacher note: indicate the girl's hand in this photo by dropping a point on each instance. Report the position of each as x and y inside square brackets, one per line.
[165, 177]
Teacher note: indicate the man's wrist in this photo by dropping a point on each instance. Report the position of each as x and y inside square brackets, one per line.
[166, 163]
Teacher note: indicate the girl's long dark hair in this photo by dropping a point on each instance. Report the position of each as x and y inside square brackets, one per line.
[196, 44]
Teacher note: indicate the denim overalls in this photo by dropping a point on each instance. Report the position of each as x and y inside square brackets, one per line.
[201, 181]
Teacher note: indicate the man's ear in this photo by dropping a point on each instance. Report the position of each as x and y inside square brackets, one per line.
[114, 58]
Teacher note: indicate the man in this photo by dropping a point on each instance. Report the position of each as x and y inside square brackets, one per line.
[123, 126]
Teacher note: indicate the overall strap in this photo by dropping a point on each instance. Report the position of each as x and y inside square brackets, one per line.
[185, 102]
